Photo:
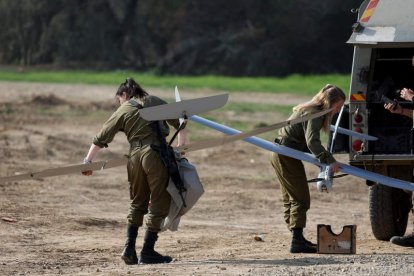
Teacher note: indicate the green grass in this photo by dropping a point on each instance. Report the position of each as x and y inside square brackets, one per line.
[299, 84]
[256, 107]
[295, 84]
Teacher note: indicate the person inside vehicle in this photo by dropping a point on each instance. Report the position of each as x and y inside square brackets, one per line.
[408, 95]
[291, 172]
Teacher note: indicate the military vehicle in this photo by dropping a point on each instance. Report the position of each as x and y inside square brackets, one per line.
[383, 64]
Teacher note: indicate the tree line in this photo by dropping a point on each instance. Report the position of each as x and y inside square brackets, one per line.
[185, 37]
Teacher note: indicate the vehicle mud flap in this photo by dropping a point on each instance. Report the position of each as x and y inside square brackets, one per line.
[389, 209]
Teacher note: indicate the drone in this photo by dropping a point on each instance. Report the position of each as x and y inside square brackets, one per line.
[189, 109]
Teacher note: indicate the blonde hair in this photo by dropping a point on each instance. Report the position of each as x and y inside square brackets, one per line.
[323, 100]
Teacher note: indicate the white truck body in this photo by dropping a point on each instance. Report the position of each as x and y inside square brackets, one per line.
[383, 39]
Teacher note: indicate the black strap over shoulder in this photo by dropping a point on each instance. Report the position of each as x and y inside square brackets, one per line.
[167, 155]
[168, 158]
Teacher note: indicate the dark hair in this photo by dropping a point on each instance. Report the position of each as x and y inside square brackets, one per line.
[132, 88]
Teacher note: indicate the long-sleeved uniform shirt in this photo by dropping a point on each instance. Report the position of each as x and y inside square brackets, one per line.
[128, 120]
[306, 136]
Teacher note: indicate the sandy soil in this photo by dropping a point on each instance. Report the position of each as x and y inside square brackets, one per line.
[75, 225]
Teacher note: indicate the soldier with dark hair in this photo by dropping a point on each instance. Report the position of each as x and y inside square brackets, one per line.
[147, 175]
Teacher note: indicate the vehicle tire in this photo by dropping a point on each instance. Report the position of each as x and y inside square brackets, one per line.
[389, 208]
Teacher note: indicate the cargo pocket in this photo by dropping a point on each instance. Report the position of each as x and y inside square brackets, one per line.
[130, 167]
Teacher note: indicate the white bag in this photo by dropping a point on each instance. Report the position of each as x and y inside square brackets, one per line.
[194, 191]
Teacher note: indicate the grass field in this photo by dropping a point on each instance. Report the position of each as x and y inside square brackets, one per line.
[297, 84]
[294, 84]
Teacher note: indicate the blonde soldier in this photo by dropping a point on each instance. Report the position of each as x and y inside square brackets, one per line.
[147, 175]
[291, 172]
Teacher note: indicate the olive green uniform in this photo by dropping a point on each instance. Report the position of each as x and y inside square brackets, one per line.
[147, 175]
[291, 172]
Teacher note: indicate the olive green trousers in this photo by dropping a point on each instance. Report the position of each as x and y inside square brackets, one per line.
[295, 189]
[148, 179]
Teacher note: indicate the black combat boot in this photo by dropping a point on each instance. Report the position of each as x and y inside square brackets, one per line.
[407, 241]
[148, 254]
[300, 244]
[306, 241]
[129, 255]
[310, 243]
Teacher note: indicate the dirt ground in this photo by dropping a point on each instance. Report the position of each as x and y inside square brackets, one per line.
[75, 225]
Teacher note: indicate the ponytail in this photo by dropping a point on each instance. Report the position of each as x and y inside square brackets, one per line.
[132, 88]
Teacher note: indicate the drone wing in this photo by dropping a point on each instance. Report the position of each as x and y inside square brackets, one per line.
[354, 133]
[375, 177]
[71, 169]
[227, 139]
[183, 108]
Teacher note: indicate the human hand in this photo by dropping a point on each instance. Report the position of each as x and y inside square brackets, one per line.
[88, 172]
[393, 108]
[335, 167]
[407, 94]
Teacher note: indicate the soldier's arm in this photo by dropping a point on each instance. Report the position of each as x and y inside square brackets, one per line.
[93, 150]
[182, 137]
[407, 112]
[313, 141]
